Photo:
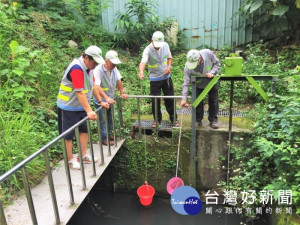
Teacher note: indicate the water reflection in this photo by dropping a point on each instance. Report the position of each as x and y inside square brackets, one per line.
[108, 208]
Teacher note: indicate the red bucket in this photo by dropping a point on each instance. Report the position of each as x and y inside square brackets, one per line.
[145, 193]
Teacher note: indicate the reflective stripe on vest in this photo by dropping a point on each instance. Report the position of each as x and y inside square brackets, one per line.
[64, 98]
[152, 66]
[65, 88]
[155, 66]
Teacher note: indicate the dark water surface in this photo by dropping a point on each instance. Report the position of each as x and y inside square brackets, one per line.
[107, 208]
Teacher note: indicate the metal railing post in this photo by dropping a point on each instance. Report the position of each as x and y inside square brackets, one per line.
[174, 114]
[139, 119]
[194, 133]
[2, 215]
[91, 146]
[230, 130]
[100, 138]
[113, 124]
[80, 157]
[29, 196]
[156, 115]
[107, 133]
[120, 115]
[67, 169]
[51, 186]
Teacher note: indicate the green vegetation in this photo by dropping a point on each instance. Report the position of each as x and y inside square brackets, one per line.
[280, 17]
[155, 162]
[136, 25]
[34, 54]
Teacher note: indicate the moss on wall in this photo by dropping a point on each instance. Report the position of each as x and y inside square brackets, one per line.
[155, 163]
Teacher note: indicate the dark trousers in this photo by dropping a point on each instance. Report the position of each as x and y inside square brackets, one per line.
[213, 104]
[166, 86]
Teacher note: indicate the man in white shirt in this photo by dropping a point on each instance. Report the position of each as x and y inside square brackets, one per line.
[159, 59]
[107, 77]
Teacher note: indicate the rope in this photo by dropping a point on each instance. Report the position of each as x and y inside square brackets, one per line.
[179, 141]
[146, 155]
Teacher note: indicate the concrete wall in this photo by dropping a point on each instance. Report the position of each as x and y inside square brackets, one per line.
[212, 145]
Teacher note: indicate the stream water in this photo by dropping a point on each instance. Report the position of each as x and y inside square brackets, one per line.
[109, 208]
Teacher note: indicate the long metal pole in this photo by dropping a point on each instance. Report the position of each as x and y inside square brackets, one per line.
[2, 215]
[51, 186]
[67, 169]
[155, 96]
[230, 130]
[29, 196]
[80, 158]
[91, 146]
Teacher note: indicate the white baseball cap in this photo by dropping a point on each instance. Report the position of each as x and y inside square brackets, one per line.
[158, 39]
[96, 53]
[113, 57]
[192, 59]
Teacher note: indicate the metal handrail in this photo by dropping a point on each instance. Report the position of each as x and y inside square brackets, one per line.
[6, 175]
[44, 149]
[22, 165]
[155, 97]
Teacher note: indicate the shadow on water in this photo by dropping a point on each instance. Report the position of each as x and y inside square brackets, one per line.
[108, 208]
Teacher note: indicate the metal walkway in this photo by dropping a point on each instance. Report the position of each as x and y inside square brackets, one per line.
[18, 213]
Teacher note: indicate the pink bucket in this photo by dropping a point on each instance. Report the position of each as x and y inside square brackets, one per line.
[174, 183]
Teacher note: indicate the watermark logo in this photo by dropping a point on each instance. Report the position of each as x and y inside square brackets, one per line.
[185, 200]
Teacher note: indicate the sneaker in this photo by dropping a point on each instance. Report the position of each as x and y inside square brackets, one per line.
[110, 142]
[74, 164]
[199, 123]
[214, 125]
[87, 159]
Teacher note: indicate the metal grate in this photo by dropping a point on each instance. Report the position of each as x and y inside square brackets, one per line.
[188, 111]
[147, 124]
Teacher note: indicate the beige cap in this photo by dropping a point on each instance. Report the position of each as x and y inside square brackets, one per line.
[113, 57]
[192, 59]
[96, 53]
[158, 39]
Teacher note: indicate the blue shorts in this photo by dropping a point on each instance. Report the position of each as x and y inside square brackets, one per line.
[67, 119]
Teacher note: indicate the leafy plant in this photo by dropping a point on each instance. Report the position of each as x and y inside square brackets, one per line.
[137, 24]
[273, 15]
[272, 161]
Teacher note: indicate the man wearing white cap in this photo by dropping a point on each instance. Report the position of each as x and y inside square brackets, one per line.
[203, 62]
[107, 77]
[73, 101]
[159, 59]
